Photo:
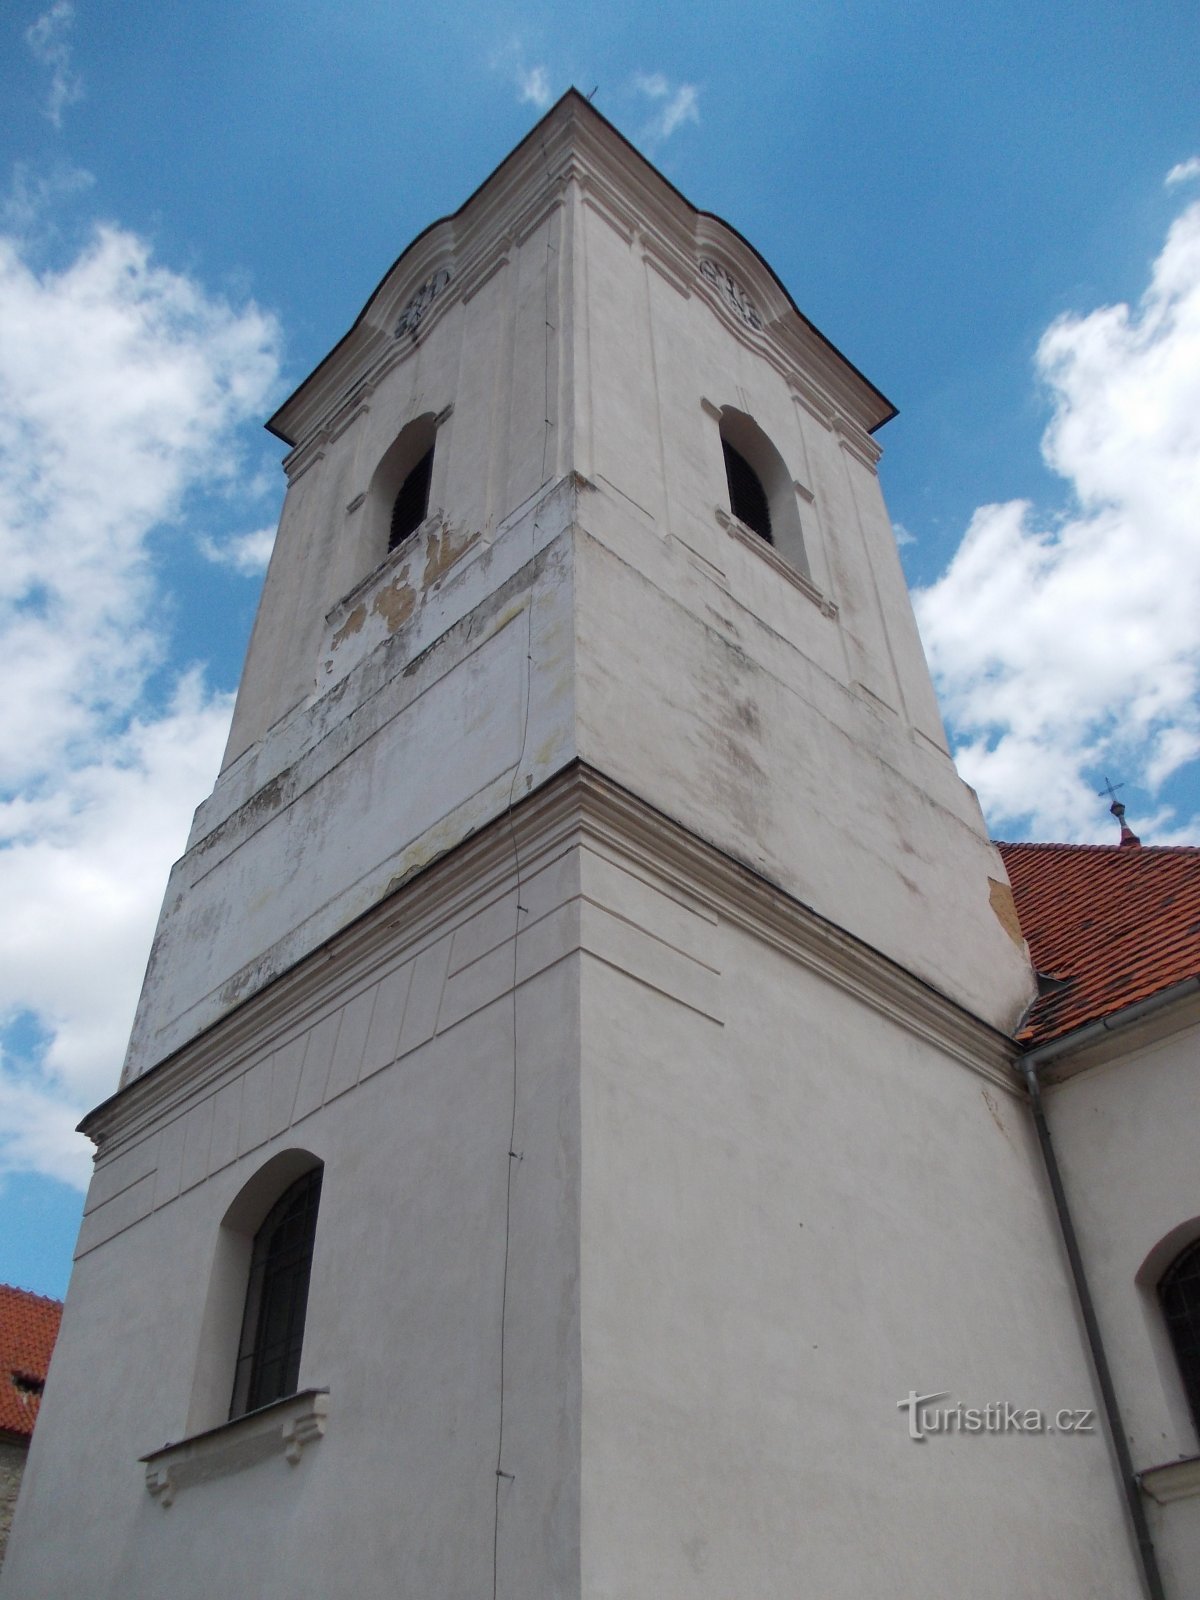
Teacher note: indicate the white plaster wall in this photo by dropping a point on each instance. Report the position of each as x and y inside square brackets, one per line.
[1124, 1131]
[751, 1208]
[802, 737]
[689, 696]
[795, 1211]
[403, 1086]
[662, 348]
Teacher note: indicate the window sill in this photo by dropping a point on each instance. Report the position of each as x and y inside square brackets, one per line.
[767, 552]
[285, 1426]
[1174, 1480]
[337, 614]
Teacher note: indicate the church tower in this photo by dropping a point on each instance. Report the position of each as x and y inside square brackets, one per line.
[570, 1105]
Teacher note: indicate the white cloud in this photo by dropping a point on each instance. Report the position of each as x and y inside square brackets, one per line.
[121, 388]
[246, 553]
[677, 104]
[1067, 643]
[39, 1131]
[902, 535]
[48, 39]
[83, 865]
[533, 87]
[652, 84]
[25, 208]
[532, 83]
[1183, 171]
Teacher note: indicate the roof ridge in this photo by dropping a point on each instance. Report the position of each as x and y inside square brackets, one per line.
[1052, 846]
[1120, 852]
[30, 1294]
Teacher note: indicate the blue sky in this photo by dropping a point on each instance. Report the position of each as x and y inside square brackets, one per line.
[993, 210]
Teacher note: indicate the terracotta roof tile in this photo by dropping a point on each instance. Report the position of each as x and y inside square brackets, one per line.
[1114, 924]
[28, 1329]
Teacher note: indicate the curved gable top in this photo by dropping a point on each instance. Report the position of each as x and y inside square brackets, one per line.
[426, 268]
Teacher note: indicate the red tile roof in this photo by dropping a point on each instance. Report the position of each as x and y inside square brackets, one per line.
[1115, 924]
[28, 1329]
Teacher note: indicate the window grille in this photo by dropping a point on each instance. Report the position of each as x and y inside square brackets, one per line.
[412, 503]
[1179, 1295]
[747, 497]
[268, 1364]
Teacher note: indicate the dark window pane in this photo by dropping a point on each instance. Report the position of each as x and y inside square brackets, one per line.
[747, 497]
[1179, 1293]
[268, 1365]
[412, 503]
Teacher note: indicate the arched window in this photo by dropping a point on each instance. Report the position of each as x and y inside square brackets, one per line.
[747, 497]
[268, 1361]
[398, 496]
[1179, 1296]
[762, 492]
[411, 505]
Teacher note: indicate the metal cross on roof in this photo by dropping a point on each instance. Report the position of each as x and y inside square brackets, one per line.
[1118, 810]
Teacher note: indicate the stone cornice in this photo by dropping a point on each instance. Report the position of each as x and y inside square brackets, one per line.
[572, 144]
[538, 828]
[577, 806]
[742, 896]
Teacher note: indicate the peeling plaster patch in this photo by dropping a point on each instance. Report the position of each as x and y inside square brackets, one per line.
[1000, 897]
[442, 550]
[353, 624]
[395, 604]
[397, 599]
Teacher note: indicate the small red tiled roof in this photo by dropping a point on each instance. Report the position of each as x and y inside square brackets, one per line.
[28, 1329]
[1114, 924]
